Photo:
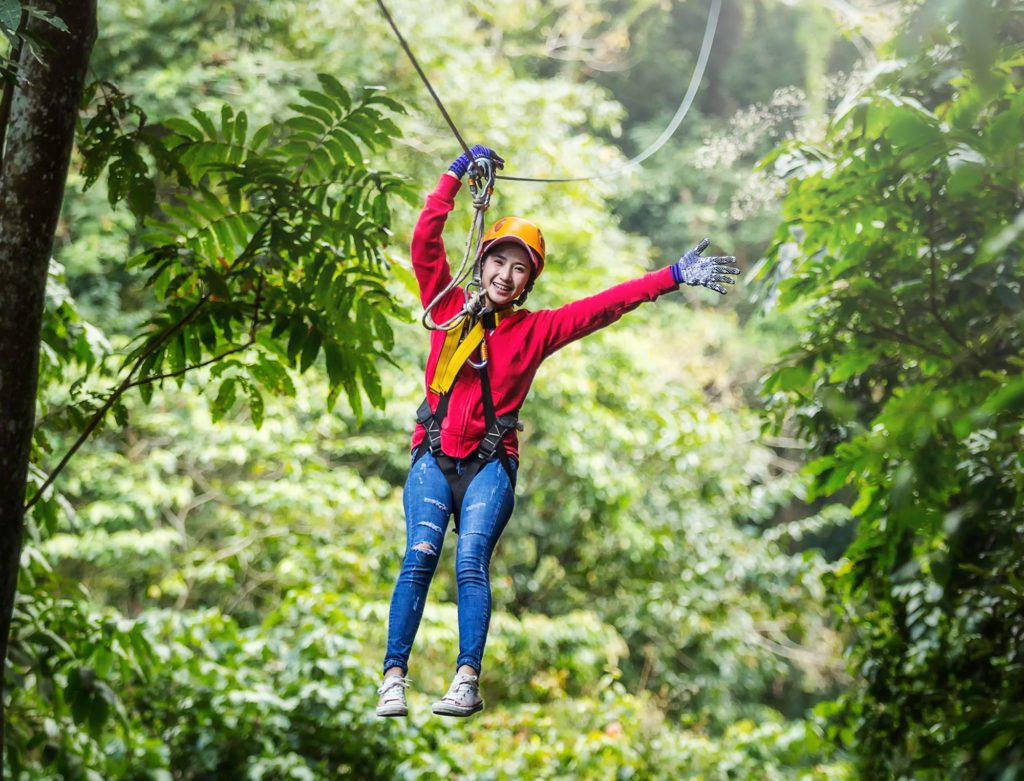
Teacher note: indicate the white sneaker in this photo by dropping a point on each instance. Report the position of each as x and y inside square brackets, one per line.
[392, 696]
[462, 699]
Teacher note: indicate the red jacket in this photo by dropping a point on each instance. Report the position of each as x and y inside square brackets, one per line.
[519, 344]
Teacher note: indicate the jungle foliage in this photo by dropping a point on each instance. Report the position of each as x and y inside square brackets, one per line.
[901, 249]
[204, 592]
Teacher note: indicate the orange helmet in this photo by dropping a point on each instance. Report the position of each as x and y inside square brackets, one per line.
[521, 232]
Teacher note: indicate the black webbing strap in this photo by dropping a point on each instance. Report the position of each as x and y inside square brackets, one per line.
[493, 427]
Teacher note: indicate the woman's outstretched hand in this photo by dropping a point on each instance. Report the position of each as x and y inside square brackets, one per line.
[711, 272]
[461, 163]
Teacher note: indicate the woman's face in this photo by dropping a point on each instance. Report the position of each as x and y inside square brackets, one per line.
[506, 271]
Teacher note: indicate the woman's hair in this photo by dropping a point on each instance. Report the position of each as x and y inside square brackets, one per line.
[526, 290]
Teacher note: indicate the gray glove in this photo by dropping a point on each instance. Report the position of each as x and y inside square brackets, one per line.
[712, 272]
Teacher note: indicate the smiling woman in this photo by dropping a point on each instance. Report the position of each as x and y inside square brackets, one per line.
[506, 273]
[465, 449]
[513, 258]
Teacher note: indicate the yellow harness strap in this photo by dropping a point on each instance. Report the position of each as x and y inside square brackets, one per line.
[454, 354]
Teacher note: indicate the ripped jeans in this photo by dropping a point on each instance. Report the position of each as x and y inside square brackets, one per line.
[428, 507]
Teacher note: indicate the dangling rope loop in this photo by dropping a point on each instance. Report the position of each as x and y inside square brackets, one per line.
[482, 172]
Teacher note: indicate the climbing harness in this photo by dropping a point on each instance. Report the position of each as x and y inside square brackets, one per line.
[498, 426]
[482, 172]
[458, 346]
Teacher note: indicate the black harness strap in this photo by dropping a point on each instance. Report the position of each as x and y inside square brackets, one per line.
[493, 440]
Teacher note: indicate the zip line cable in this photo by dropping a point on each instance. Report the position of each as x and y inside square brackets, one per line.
[660, 141]
[419, 70]
[483, 173]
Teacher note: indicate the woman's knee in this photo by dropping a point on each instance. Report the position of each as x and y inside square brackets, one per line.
[422, 553]
[473, 556]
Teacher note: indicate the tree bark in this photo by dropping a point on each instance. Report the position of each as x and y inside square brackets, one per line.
[33, 170]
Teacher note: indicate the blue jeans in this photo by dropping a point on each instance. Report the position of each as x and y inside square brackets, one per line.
[428, 507]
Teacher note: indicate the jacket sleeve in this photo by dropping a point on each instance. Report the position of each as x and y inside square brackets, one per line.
[429, 261]
[556, 328]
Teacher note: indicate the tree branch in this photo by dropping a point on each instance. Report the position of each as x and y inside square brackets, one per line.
[240, 348]
[885, 333]
[932, 262]
[180, 372]
[128, 382]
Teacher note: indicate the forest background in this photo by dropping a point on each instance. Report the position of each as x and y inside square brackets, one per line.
[771, 536]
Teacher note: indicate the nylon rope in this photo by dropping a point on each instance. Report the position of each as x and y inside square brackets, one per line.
[684, 105]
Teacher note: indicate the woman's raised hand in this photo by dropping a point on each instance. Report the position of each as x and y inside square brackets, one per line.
[461, 163]
[711, 272]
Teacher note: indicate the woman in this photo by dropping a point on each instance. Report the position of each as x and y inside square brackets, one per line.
[465, 445]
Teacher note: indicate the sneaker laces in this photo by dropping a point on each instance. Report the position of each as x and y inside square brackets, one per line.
[460, 682]
[391, 682]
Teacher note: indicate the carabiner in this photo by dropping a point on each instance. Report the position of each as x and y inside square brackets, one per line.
[483, 356]
[482, 172]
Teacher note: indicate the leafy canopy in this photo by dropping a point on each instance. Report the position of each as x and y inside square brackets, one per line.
[902, 247]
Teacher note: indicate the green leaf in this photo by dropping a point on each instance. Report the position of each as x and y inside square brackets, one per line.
[354, 399]
[307, 124]
[333, 88]
[363, 130]
[297, 337]
[310, 349]
[1009, 397]
[227, 123]
[328, 105]
[852, 364]
[10, 15]
[384, 100]
[49, 18]
[225, 399]
[788, 378]
[216, 284]
[241, 128]
[205, 123]
[262, 135]
[142, 196]
[273, 376]
[255, 405]
[909, 128]
[371, 383]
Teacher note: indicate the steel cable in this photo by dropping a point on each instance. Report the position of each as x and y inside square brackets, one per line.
[684, 105]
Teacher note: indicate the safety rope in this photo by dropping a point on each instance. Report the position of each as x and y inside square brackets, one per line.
[481, 186]
[684, 105]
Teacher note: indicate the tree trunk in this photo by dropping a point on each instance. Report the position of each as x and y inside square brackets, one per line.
[33, 170]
